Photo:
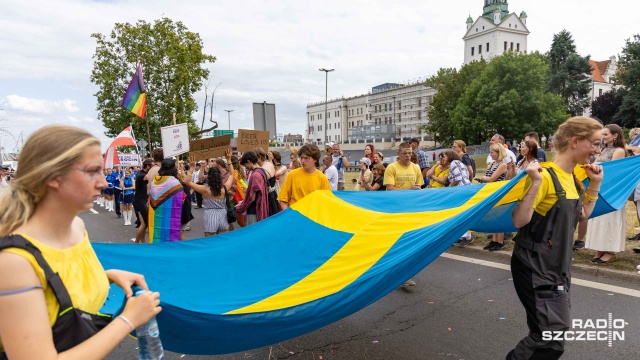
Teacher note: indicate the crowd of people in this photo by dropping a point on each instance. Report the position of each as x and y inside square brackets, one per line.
[41, 236]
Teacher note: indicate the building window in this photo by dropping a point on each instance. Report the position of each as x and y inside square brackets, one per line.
[319, 116]
[479, 49]
[328, 115]
[600, 92]
[487, 47]
[329, 126]
[476, 29]
[338, 125]
[473, 48]
[399, 117]
[419, 101]
[511, 46]
[505, 46]
[518, 47]
[516, 26]
[399, 104]
[419, 114]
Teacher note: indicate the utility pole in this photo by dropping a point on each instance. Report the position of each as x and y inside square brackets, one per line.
[229, 116]
[326, 91]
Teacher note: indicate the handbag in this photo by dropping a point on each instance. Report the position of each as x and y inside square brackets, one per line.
[231, 214]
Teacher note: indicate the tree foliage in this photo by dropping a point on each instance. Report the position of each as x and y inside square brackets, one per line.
[605, 106]
[450, 85]
[172, 62]
[570, 73]
[628, 75]
[509, 98]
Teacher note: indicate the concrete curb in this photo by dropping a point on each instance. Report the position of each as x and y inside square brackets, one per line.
[578, 269]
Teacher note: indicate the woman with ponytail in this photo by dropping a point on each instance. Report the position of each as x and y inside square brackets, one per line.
[552, 203]
[41, 238]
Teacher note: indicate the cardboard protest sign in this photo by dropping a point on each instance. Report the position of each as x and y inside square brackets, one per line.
[175, 140]
[251, 139]
[210, 147]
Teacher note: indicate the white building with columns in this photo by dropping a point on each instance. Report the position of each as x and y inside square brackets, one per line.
[388, 104]
[495, 32]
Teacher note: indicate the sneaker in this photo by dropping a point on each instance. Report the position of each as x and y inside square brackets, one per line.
[578, 244]
[465, 241]
[634, 237]
[457, 242]
[409, 283]
[490, 245]
[636, 249]
[498, 246]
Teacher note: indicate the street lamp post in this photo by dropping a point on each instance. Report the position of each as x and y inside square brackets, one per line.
[326, 90]
[229, 116]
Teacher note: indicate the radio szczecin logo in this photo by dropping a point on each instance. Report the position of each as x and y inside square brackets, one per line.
[608, 330]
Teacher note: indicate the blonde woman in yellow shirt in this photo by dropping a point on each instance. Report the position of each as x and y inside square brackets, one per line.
[60, 175]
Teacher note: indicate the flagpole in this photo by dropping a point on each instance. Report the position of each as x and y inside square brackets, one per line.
[135, 142]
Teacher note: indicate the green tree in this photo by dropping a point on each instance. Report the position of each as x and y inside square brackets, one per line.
[450, 85]
[628, 76]
[172, 63]
[570, 73]
[509, 98]
[605, 106]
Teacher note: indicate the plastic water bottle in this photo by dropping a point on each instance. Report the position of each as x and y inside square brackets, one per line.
[149, 345]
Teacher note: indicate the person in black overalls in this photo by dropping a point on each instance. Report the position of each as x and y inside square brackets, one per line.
[541, 261]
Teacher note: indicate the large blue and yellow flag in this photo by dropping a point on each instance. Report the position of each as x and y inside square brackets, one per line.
[327, 257]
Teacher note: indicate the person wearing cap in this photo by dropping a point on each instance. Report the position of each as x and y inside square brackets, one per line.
[330, 172]
[365, 174]
[3, 180]
[340, 162]
[423, 160]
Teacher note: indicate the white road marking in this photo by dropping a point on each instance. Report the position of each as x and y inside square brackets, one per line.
[574, 281]
[93, 211]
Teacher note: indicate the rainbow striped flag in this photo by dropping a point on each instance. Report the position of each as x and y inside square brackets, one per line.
[165, 209]
[135, 99]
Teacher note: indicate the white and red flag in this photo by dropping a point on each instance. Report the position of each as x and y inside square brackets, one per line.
[125, 138]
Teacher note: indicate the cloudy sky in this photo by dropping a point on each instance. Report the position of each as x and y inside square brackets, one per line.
[267, 50]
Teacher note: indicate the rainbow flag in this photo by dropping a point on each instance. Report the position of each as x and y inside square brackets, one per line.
[165, 209]
[135, 99]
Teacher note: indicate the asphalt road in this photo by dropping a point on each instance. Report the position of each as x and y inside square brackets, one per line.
[458, 310]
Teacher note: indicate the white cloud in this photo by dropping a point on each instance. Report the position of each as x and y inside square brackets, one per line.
[271, 51]
[75, 120]
[40, 106]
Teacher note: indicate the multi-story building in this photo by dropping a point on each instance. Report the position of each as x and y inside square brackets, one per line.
[388, 104]
[403, 107]
[495, 32]
[601, 74]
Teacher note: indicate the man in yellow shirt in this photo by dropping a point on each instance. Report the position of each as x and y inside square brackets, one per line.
[403, 174]
[305, 180]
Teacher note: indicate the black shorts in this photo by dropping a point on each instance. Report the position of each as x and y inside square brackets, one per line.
[143, 210]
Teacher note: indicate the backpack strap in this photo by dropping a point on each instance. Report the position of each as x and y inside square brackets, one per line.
[53, 279]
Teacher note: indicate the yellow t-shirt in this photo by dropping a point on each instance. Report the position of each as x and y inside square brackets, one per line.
[80, 271]
[403, 177]
[299, 184]
[438, 172]
[547, 193]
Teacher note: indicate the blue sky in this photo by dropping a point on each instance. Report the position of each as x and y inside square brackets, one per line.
[267, 50]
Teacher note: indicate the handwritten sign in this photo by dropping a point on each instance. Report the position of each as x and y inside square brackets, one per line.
[251, 139]
[210, 147]
[175, 139]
